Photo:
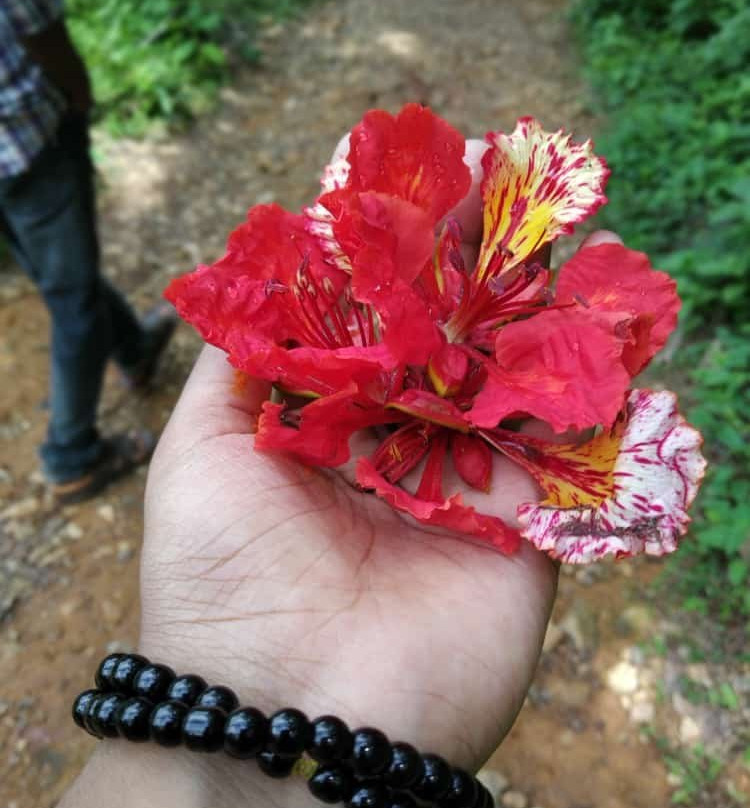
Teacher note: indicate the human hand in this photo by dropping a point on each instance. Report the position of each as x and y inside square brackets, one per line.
[296, 589]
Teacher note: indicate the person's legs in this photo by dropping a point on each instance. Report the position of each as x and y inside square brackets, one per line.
[49, 213]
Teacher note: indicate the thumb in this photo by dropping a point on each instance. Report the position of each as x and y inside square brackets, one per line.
[216, 400]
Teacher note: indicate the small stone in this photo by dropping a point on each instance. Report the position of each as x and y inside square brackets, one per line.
[112, 612]
[567, 738]
[37, 477]
[494, 782]
[73, 531]
[642, 712]
[690, 732]
[623, 678]
[674, 780]
[106, 512]
[68, 607]
[636, 620]
[514, 799]
[125, 551]
[24, 507]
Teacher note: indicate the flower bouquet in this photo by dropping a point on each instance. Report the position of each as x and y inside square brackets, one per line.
[370, 312]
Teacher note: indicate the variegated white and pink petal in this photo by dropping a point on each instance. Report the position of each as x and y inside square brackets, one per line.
[656, 475]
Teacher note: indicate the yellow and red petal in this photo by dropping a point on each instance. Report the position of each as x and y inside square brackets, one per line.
[613, 279]
[447, 369]
[625, 492]
[450, 513]
[561, 366]
[537, 185]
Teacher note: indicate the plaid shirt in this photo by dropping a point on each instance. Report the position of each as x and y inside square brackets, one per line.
[30, 107]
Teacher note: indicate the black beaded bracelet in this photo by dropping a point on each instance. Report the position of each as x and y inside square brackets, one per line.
[140, 701]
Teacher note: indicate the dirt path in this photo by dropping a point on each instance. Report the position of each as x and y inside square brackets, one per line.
[68, 578]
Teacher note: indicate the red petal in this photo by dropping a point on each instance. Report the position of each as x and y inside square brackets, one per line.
[448, 513]
[447, 369]
[248, 291]
[472, 459]
[431, 484]
[387, 243]
[415, 156]
[561, 366]
[319, 433]
[401, 451]
[427, 406]
[611, 278]
[314, 371]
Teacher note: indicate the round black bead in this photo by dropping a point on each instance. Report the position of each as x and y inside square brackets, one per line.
[484, 798]
[125, 671]
[463, 792]
[332, 783]
[90, 723]
[371, 794]
[218, 696]
[103, 713]
[371, 751]
[165, 722]
[436, 779]
[132, 719]
[105, 670]
[152, 682]
[81, 706]
[402, 800]
[245, 733]
[288, 732]
[203, 729]
[405, 767]
[274, 765]
[331, 740]
[186, 689]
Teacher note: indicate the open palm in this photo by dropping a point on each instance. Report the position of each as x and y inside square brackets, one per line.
[296, 589]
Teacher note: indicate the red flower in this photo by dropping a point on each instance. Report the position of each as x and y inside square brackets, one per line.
[364, 304]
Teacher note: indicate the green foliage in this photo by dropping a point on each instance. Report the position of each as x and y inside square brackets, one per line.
[669, 77]
[696, 770]
[163, 60]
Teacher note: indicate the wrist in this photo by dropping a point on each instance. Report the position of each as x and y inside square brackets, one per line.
[125, 775]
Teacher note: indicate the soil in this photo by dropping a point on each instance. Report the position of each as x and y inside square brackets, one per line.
[69, 577]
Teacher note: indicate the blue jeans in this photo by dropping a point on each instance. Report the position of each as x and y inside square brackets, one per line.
[48, 214]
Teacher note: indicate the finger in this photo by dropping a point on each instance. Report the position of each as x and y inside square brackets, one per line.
[468, 212]
[600, 237]
[342, 149]
[217, 400]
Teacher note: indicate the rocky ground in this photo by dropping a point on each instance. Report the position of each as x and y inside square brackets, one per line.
[625, 695]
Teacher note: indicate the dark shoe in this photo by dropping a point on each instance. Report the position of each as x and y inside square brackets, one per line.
[121, 454]
[159, 324]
